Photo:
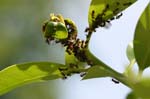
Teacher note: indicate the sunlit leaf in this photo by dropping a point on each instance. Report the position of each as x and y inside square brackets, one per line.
[21, 74]
[142, 40]
[96, 72]
[106, 9]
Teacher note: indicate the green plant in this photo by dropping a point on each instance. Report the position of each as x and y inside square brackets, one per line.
[78, 56]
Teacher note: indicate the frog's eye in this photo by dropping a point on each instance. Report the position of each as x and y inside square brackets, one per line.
[55, 30]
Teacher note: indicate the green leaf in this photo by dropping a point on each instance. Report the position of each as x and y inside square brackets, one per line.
[96, 72]
[130, 52]
[131, 95]
[70, 59]
[107, 8]
[142, 40]
[21, 74]
[142, 89]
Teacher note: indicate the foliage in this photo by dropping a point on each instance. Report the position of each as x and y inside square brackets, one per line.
[141, 40]
[21, 74]
[79, 59]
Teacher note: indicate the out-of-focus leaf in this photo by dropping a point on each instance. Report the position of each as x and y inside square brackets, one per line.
[142, 89]
[110, 8]
[96, 72]
[131, 95]
[142, 40]
[130, 52]
[21, 74]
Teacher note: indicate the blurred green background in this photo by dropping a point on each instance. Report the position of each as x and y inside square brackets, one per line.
[21, 40]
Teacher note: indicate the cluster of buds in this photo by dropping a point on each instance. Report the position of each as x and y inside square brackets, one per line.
[64, 31]
[55, 29]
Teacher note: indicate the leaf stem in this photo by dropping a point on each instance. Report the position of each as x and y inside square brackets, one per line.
[114, 74]
[129, 68]
[119, 76]
[139, 76]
